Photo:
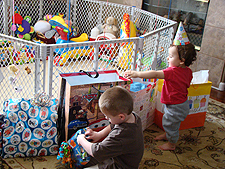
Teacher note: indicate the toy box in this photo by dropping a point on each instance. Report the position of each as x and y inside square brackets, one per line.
[78, 100]
[198, 96]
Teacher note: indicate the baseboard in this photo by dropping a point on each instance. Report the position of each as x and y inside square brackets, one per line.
[221, 87]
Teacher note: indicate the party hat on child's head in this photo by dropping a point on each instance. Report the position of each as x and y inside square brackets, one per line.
[181, 36]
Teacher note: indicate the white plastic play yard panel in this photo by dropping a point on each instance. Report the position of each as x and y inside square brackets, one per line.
[27, 66]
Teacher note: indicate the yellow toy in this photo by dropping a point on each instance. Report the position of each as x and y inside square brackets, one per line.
[76, 53]
[125, 55]
[59, 21]
[127, 29]
[83, 37]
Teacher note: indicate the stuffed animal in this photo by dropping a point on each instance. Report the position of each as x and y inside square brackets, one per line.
[28, 70]
[110, 26]
[13, 69]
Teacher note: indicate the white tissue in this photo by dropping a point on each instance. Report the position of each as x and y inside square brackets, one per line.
[201, 76]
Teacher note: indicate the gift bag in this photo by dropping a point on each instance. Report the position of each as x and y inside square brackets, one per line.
[78, 96]
[144, 97]
[198, 97]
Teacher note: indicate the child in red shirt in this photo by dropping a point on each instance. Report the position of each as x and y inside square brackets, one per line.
[177, 78]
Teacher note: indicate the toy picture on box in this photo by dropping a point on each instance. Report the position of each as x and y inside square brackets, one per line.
[84, 102]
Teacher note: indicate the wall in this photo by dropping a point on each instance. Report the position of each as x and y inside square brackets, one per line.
[212, 53]
[137, 3]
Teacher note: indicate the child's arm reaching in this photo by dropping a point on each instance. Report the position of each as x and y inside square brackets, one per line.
[152, 74]
[85, 144]
[96, 136]
[92, 135]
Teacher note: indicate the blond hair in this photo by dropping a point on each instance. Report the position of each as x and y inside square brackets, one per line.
[116, 100]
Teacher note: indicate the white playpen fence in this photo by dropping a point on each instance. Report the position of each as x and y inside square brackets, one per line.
[47, 61]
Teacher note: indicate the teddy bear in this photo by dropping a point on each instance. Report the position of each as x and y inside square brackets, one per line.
[13, 69]
[110, 26]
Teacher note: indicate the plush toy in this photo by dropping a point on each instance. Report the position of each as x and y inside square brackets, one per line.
[13, 69]
[21, 26]
[44, 32]
[110, 26]
[28, 70]
[42, 26]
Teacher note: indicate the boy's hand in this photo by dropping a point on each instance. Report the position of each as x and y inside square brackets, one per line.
[92, 135]
[80, 137]
[130, 74]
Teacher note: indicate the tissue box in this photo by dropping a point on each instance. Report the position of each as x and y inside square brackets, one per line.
[198, 96]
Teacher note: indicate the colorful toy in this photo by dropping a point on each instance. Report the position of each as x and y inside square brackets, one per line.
[99, 124]
[48, 17]
[127, 29]
[6, 50]
[75, 124]
[71, 153]
[148, 60]
[61, 27]
[24, 55]
[65, 154]
[21, 26]
[107, 52]
[75, 53]
[82, 38]
[110, 26]
[125, 55]
[44, 32]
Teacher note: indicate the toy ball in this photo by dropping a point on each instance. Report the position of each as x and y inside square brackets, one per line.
[14, 27]
[27, 36]
[48, 17]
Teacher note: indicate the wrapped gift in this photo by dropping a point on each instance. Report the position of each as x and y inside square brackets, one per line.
[2, 117]
[29, 130]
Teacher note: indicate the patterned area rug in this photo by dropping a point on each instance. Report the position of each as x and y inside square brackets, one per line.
[197, 148]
